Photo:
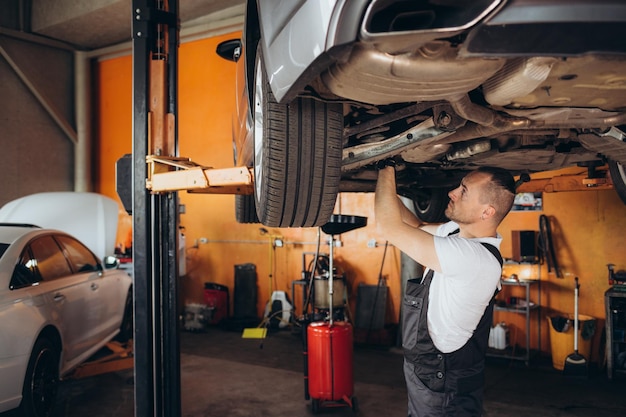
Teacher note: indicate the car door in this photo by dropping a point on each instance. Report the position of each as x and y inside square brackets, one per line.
[106, 304]
[67, 297]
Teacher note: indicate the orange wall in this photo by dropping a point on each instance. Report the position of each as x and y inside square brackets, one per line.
[114, 131]
[588, 233]
[588, 226]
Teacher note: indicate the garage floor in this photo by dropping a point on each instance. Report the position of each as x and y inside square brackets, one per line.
[226, 375]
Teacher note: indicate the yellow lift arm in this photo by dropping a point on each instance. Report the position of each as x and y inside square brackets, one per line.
[166, 174]
[119, 359]
[580, 181]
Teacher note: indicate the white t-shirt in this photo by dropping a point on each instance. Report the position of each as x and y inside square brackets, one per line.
[459, 295]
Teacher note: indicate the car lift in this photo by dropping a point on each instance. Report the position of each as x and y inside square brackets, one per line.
[195, 178]
[157, 174]
[120, 358]
[596, 178]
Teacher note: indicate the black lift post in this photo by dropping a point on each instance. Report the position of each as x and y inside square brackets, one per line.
[155, 28]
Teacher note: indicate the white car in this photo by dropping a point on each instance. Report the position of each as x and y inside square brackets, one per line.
[59, 304]
[325, 90]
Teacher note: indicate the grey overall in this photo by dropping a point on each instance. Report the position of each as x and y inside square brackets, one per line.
[442, 384]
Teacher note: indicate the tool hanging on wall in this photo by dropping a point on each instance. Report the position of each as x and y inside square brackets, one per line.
[546, 246]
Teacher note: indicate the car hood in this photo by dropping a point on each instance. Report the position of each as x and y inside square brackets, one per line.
[91, 218]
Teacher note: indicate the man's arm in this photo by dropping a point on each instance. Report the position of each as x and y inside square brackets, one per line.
[408, 216]
[411, 219]
[402, 230]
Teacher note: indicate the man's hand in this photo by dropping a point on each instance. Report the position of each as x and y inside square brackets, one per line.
[398, 225]
[384, 163]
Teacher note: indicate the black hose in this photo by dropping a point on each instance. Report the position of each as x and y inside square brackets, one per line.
[546, 246]
[380, 282]
[305, 307]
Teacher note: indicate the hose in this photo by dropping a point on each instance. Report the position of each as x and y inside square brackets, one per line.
[305, 307]
[380, 282]
[546, 246]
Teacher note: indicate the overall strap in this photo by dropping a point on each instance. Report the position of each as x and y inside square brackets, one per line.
[494, 251]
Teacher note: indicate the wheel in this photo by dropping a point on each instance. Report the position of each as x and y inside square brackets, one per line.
[355, 405]
[618, 177]
[297, 157]
[315, 406]
[245, 209]
[127, 327]
[41, 380]
[430, 205]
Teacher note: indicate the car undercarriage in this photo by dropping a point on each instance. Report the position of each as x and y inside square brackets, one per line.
[440, 86]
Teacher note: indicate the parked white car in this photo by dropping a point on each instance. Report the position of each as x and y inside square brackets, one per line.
[59, 304]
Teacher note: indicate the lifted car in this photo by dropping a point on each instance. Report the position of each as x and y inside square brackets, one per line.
[327, 89]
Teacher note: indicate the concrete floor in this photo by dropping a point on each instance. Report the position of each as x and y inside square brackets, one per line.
[224, 375]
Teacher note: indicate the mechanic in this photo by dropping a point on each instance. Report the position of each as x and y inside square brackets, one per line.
[448, 312]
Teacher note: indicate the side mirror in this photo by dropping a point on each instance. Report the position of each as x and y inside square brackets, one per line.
[230, 50]
[111, 262]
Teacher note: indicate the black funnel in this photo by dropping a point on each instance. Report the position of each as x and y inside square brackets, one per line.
[340, 223]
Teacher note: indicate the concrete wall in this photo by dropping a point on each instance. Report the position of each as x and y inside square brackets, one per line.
[37, 154]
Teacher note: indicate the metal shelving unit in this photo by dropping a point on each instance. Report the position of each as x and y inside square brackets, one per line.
[527, 308]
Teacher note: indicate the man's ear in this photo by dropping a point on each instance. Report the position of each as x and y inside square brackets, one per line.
[488, 212]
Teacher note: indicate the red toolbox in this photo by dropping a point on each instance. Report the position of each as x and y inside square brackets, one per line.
[216, 298]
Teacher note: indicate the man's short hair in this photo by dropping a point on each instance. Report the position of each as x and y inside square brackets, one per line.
[502, 190]
[500, 177]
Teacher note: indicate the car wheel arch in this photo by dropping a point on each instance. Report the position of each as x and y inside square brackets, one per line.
[252, 34]
[127, 327]
[51, 333]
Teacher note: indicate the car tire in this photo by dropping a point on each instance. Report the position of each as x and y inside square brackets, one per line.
[297, 156]
[618, 177]
[245, 209]
[430, 205]
[41, 380]
[127, 327]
